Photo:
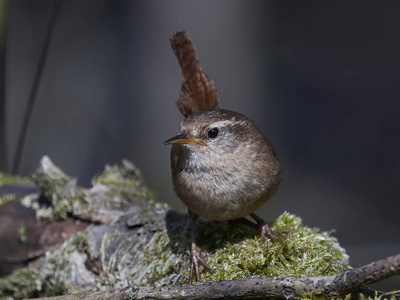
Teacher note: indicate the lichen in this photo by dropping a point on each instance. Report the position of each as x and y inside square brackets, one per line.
[111, 195]
[56, 186]
[42, 212]
[22, 234]
[7, 198]
[6, 179]
[23, 283]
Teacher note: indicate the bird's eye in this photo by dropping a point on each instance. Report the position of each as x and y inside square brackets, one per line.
[213, 133]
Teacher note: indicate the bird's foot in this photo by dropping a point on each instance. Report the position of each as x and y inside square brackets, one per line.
[195, 261]
[265, 231]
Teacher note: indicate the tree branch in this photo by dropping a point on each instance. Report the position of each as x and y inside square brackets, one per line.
[260, 287]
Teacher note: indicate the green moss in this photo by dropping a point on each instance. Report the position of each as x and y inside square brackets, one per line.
[305, 251]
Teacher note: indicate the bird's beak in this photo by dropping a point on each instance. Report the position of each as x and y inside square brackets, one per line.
[182, 139]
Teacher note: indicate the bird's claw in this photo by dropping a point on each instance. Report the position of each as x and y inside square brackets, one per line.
[266, 232]
[195, 261]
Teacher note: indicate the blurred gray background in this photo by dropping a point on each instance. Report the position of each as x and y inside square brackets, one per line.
[319, 78]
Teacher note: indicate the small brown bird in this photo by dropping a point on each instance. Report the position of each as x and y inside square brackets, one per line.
[223, 168]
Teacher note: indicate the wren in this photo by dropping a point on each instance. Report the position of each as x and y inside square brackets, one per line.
[223, 167]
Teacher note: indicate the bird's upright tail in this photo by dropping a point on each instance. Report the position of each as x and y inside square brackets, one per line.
[198, 92]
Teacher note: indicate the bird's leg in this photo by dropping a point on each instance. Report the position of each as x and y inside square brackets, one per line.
[196, 258]
[265, 231]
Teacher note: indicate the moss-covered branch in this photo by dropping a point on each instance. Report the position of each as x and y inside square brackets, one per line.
[339, 285]
[129, 239]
